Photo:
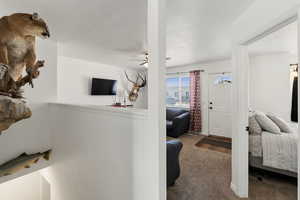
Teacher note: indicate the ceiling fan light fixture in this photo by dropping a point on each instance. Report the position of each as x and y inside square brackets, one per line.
[145, 62]
[146, 65]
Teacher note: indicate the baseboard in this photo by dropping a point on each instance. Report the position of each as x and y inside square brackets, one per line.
[236, 192]
[233, 188]
[204, 133]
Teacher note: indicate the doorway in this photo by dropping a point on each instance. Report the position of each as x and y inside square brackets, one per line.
[220, 104]
[271, 80]
[240, 179]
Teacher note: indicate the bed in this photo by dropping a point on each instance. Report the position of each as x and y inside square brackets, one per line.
[256, 157]
[274, 152]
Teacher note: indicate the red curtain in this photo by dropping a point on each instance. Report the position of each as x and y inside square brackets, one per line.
[195, 102]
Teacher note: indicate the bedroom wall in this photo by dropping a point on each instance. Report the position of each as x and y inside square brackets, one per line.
[74, 82]
[255, 19]
[209, 67]
[270, 86]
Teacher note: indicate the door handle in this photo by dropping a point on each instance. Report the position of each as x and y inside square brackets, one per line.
[247, 128]
[210, 107]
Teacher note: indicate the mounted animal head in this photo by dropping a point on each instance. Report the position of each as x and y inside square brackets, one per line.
[141, 81]
[29, 25]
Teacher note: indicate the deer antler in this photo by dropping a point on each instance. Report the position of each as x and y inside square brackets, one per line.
[128, 78]
[144, 80]
[138, 76]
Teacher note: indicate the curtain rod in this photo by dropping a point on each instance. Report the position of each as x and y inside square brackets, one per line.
[220, 73]
[184, 72]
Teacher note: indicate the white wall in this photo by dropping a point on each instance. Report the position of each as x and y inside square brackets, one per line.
[100, 154]
[256, 20]
[45, 86]
[270, 87]
[74, 82]
[31, 187]
[210, 67]
[33, 135]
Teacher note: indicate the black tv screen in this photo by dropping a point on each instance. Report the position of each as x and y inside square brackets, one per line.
[103, 87]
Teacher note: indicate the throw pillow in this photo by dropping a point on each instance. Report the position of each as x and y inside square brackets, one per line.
[254, 127]
[266, 123]
[283, 125]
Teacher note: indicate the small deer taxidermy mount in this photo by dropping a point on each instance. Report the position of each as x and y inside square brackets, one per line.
[141, 81]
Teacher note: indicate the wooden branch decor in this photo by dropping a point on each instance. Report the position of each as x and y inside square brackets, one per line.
[17, 54]
[22, 161]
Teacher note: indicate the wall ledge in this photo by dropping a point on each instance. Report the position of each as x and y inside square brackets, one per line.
[34, 168]
[121, 112]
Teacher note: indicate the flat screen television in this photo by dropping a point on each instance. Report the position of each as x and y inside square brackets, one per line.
[103, 87]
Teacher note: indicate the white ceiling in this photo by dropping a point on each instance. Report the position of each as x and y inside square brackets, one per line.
[283, 40]
[114, 32]
[199, 30]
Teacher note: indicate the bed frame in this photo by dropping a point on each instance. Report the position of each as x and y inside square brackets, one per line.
[257, 162]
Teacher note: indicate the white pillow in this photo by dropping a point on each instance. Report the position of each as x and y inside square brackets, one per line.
[283, 125]
[266, 123]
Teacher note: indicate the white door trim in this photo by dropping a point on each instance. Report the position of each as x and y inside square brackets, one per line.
[156, 29]
[240, 175]
[298, 14]
[240, 62]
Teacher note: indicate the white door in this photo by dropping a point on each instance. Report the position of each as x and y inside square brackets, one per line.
[220, 103]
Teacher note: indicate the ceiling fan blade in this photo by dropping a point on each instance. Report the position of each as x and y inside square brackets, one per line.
[143, 63]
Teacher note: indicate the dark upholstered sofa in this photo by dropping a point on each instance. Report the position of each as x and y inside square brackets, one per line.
[178, 121]
[173, 167]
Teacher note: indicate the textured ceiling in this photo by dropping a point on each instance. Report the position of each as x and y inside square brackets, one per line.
[114, 32]
[199, 30]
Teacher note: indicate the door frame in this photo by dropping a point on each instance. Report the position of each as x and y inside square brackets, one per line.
[208, 97]
[240, 62]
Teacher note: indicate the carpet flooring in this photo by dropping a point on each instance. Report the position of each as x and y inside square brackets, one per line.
[206, 175]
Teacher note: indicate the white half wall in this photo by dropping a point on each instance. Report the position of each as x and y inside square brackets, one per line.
[74, 82]
[270, 86]
[100, 153]
[31, 187]
[209, 67]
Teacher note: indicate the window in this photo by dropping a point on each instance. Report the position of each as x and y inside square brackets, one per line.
[178, 90]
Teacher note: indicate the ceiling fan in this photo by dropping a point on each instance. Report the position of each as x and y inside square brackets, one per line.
[145, 61]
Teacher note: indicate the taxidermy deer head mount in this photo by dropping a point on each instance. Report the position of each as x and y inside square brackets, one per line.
[141, 81]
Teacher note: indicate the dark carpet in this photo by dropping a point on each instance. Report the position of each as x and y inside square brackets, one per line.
[206, 175]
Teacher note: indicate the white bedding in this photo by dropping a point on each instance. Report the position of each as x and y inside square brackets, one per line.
[280, 151]
[255, 146]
